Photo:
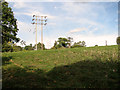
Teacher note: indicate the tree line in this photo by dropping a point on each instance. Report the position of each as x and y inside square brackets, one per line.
[67, 43]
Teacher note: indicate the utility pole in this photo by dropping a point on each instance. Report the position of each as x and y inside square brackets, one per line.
[36, 22]
[42, 21]
[106, 42]
[42, 32]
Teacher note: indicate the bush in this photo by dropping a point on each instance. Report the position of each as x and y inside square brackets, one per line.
[7, 48]
[118, 40]
[96, 45]
[17, 48]
[28, 48]
[76, 46]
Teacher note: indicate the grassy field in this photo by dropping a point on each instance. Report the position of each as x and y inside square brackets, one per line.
[86, 67]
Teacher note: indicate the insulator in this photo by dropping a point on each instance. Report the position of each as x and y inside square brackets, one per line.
[45, 16]
[33, 19]
[46, 20]
[33, 23]
[45, 23]
[33, 15]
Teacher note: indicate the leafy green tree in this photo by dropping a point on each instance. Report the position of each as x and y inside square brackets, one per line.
[79, 44]
[6, 47]
[17, 48]
[55, 45]
[70, 40]
[118, 40]
[62, 42]
[39, 46]
[96, 45]
[83, 43]
[9, 26]
[29, 47]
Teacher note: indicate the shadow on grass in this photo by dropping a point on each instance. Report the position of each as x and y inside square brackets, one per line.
[5, 60]
[83, 74]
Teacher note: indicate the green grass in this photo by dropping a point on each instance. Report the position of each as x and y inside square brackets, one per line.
[88, 67]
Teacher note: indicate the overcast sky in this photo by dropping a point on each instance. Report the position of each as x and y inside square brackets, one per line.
[93, 22]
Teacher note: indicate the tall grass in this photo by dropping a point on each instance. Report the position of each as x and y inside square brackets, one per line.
[84, 67]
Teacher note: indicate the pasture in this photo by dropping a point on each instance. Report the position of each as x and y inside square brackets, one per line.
[85, 67]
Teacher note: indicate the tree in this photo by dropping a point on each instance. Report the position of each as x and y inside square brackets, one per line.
[7, 48]
[62, 42]
[29, 47]
[55, 45]
[96, 45]
[83, 43]
[79, 44]
[9, 25]
[17, 48]
[118, 40]
[39, 46]
[70, 40]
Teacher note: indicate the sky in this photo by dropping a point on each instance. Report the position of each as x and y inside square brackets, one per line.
[92, 22]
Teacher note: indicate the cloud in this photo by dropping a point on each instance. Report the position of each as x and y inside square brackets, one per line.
[18, 5]
[48, 41]
[95, 29]
[52, 24]
[74, 8]
[116, 20]
[24, 27]
[92, 40]
[26, 33]
[62, 0]
[31, 12]
[82, 15]
[90, 25]
[78, 30]
[39, 13]
[82, 9]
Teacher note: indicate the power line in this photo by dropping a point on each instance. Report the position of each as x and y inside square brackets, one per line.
[39, 20]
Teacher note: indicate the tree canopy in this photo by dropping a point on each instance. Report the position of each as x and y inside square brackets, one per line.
[9, 25]
[39, 46]
[66, 43]
[79, 44]
[118, 40]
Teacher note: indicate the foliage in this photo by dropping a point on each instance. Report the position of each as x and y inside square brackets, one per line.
[17, 48]
[70, 40]
[55, 45]
[118, 40]
[62, 43]
[39, 46]
[79, 44]
[6, 47]
[9, 26]
[96, 45]
[29, 47]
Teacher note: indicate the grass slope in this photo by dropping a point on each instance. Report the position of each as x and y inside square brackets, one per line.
[77, 67]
